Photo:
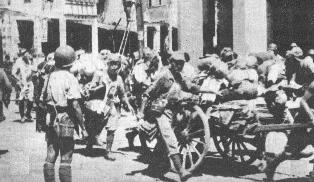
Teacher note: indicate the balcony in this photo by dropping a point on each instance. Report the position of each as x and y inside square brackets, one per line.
[85, 8]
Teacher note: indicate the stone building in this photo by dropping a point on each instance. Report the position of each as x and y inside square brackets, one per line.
[174, 25]
[42, 26]
[249, 25]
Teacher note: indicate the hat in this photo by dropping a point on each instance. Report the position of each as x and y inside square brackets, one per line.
[115, 57]
[296, 51]
[64, 56]
[177, 56]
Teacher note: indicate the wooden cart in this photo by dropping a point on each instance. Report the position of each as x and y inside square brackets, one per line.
[245, 145]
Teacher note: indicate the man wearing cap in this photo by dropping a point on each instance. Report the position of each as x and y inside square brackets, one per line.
[273, 48]
[164, 93]
[62, 95]
[305, 74]
[114, 98]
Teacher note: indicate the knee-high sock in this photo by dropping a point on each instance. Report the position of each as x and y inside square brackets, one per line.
[65, 173]
[49, 172]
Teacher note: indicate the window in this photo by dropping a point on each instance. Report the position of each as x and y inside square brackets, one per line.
[150, 37]
[152, 3]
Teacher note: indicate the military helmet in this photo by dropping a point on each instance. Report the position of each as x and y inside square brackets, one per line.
[177, 56]
[64, 56]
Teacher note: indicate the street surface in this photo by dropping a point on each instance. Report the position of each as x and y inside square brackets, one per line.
[22, 155]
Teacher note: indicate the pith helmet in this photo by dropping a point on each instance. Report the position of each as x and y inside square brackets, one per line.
[64, 56]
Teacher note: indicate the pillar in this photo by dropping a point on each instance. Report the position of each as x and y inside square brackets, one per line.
[157, 38]
[63, 31]
[95, 36]
[38, 34]
[190, 27]
[170, 37]
[249, 26]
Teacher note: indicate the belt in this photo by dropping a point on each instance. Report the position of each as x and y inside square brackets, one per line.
[61, 109]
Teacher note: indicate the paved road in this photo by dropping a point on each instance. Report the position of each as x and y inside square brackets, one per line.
[22, 153]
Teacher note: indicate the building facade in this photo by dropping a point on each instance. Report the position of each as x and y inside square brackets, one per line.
[174, 25]
[50, 23]
[249, 25]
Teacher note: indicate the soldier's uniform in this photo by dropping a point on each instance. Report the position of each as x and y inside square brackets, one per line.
[114, 97]
[61, 90]
[164, 94]
[298, 139]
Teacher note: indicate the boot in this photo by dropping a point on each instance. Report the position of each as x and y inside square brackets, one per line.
[65, 173]
[271, 165]
[183, 174]
[130, 136]
[49, 172]
[108, 153]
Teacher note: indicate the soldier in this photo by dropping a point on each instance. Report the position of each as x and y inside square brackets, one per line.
[43, 71]
[169, 88]
[62, 94]
[298, 139]
[23, 72]
[114, 98]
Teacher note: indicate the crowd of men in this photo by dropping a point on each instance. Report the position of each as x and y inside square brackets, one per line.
[84, 93]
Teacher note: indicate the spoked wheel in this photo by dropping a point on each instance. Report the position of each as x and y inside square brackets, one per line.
[240, 148]
[194, 140]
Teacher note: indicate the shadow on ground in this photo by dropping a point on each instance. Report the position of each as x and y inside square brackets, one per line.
[3, 152]
[95, 152]
[26, 121]
[294, 180]
[220, 167]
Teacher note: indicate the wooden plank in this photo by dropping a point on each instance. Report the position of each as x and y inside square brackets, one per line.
[281, 127]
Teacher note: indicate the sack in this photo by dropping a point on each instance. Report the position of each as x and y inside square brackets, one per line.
[63, 125]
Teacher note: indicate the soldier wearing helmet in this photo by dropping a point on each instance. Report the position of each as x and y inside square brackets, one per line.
[43, 70]
[164, 94]
[113, 99]
[61, 94]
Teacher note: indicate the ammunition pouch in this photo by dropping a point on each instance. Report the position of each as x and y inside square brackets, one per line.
[63, 125]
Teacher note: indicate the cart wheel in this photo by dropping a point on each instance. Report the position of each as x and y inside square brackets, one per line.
[194, 140]
[231, 146]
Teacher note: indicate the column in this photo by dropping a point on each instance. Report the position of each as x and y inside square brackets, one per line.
[95, 36]
[190, 27]
[249, 26]
[157, 38]
[63, 31]
[170, 37]
[145, 35]
[38, 33]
